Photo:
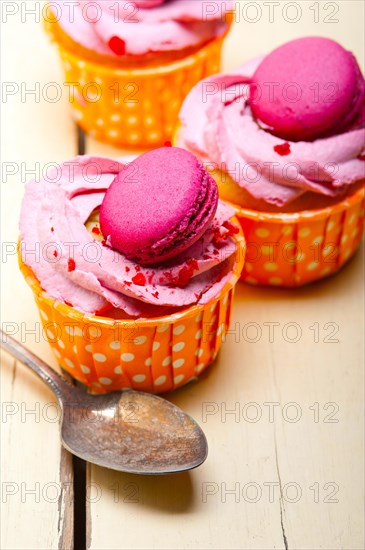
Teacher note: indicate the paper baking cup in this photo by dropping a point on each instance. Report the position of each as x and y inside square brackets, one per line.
[154, 355]
[133, 107]
[294, 249]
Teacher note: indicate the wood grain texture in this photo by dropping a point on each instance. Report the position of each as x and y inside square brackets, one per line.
[269, 481]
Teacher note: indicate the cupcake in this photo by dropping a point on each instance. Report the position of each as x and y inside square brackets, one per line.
[129, 64]
[284, 138]
[132, 267]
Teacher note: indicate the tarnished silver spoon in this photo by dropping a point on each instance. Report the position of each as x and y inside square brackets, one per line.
[128, 431]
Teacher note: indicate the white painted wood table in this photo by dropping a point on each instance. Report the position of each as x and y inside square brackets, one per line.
[282, 408]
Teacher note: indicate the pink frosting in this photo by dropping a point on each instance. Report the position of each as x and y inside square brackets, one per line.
[143, 25]
[74, 267]
[217, 125]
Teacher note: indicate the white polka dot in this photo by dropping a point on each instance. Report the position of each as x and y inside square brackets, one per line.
[94, 332]
[262, 232]
[77, 115]
[99, 357]
[118, 370]
[212, 307]
[98, 80]
[199, 367]
[270, 266]
[155, 346]
[330, 225]
[288, 230]
[67, 65]
[140, 340]
[179, 329]
[74, 349]
[344, 239]
[81, 64]
[160, 380]
[149, 121]
[61, 344]
[166, 361]
[132, 120]
[326, 271]
[199, 352]
[133, 137]
[312, 266]
[355, 232]
[114, 345]
[115, 118]
[113, 133]
[179, 346]
[139, 378]
[127, 357]
[57, 353]
[267, 250]
[162, 328]
[318, 240]
[352, 218]
[178, 363]
[50, 334]
[89, 348]
[275, 281]
[179, 378]
[304, 232]
[225, 299]
[105, 381]
[99, 122]
[220, 329]
[73, 331]
[148, 362]
[69, 363]
[43, 314]
[198, 335]
[199, 317]
[85, 369]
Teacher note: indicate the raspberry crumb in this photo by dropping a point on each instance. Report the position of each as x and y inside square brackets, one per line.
[96, 230]
[55, 253]
[139, 279]
[283, 149]
[138, 268]
[155, 294]
[52, 229]
[71, 266]
[117, 45]
[127, 269]
[361, 156]
[233, 229]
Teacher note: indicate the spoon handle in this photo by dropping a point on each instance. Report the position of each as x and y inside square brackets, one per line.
[58, 385]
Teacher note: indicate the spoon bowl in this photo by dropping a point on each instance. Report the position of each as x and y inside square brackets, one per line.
[129, 431]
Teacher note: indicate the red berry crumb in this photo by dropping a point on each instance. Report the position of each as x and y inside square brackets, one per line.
[127, 269]
[233, 229]
[117, 45]
[155, 294]
[55, 253]
[71, 266]
[52, 229]
[168, 144]
[138, 268]
[139, 279]
[361, 156]
[283, 149]
[96, 230]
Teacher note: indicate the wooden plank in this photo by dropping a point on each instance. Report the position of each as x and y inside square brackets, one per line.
[36, 132]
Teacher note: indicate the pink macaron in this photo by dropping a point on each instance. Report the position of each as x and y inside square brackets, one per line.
[308, 88]
[159, 205]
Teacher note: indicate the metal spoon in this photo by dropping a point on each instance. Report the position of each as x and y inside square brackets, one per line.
[128, 431]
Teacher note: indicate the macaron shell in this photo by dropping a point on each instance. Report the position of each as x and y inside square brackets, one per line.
[307, 88]
[157, 200]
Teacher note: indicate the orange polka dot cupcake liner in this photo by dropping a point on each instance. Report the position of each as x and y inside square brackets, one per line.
[133, 106]
[154, 355]
[294, 249]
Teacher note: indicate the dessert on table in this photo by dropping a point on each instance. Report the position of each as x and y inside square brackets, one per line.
[284, 137]
[132, 267]
[129, 64]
